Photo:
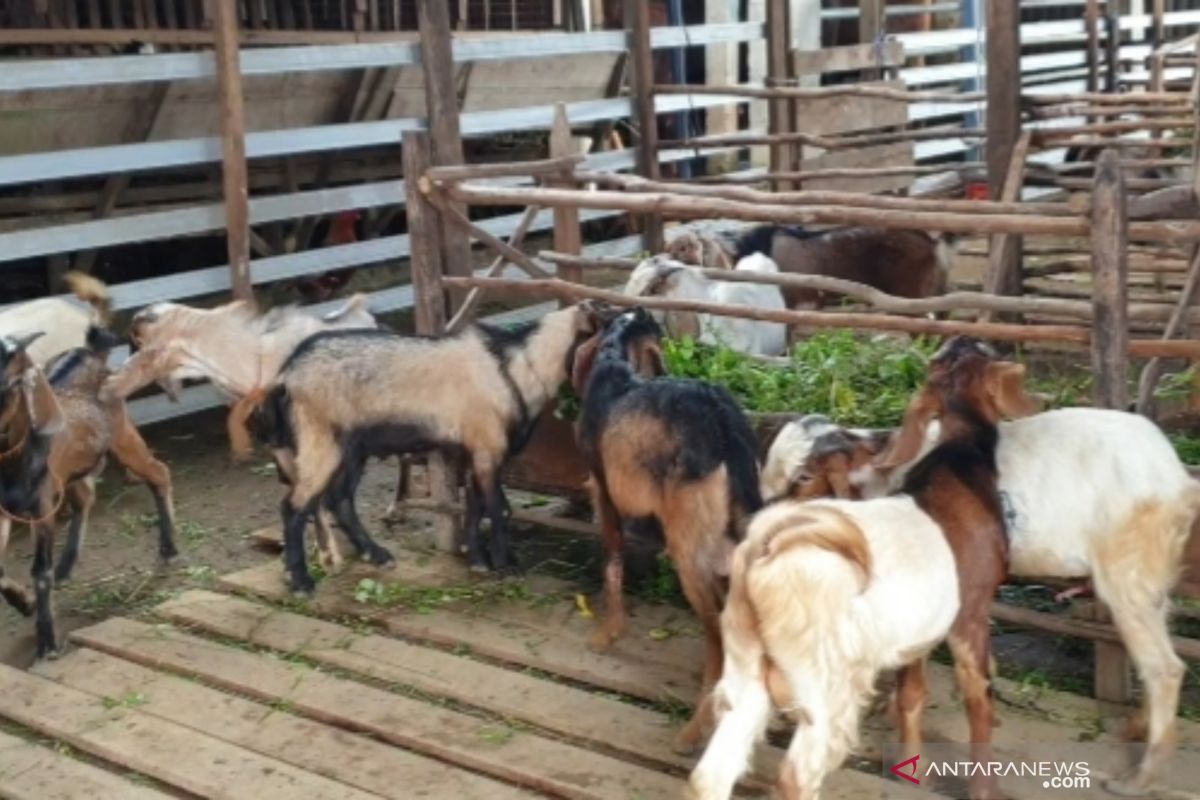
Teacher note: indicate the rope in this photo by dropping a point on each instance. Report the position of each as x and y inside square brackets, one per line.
[62, 495]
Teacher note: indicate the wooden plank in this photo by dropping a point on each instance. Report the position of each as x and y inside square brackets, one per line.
[897, 154]
[354, 760]
[233, 147]
[848, 57]
[29, 771]
[850, 114]
[602, 721]
[512, 755]
[624, 669]
[174, 754]
[641, 81]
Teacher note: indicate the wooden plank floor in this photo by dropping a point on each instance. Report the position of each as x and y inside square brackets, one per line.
[245, 693]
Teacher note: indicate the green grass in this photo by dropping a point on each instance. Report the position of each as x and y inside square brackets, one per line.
[425, 600]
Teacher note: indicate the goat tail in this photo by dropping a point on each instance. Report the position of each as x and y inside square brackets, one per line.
[803, 562]
[92, 291]
[263, 415]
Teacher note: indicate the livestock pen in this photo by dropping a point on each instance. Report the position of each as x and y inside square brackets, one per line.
[419, 681]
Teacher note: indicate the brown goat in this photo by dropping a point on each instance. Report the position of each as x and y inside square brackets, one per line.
[898, 262]
[59, 433]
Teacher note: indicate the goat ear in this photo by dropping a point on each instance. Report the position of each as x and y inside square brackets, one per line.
[647, 358]
[585, 358]
[908, 441]
[46, 415]
[1005, 381]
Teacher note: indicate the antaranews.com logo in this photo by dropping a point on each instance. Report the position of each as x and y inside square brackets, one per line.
[1049, 770]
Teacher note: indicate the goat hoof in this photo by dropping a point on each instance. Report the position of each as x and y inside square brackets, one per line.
[1127, 787]
[686, 743]
[601, 640]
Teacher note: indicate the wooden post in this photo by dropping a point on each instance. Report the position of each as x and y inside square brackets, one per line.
[441, 103]
[568, 238]
[1003, 119]
[778, 31]
[1157, 11]
[1092, 24]
[1005, 248]
[1110, 364]
[641, 62]
[720, 69]
[233, 146]
[429, 304]
[1112, 51]
[871, 23]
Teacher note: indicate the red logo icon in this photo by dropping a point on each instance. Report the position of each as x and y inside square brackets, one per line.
[899, 770]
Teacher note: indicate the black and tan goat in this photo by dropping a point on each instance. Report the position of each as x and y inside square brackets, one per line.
[677, 452]
[58, 432]
[343, 397]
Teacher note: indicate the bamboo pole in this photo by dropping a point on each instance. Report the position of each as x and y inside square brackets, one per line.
[842, 142]
[814, 197]
[641, 82]
[1150, 99]
[1065, 334]
[459, 220]
[463, 315]
[682, 207]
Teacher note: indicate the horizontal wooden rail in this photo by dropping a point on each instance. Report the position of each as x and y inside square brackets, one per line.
[1064, 334]
[685, 207]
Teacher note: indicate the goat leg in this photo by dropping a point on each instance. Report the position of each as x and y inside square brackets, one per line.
[81, 495]
[43, 587]
[395, 511]
[131, 451]
[504, 560]
[474, 493]
[970, 644]
[13, 593]
[342, 496]
[614, 571]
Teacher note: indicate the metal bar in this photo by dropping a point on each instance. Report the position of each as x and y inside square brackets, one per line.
[62, 73]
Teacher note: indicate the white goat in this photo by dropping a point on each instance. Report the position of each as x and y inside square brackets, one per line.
[662, 276]
[1087, 493]
[821, 599]
[62, 322]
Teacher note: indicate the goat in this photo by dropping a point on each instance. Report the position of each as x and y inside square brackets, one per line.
[699, 250]
[661, 276]
[236, 348]
[59, 430]
[344, 396]
[1088, 493]
[823, 595]
[677, 453]
[898, 262]
[64, 322]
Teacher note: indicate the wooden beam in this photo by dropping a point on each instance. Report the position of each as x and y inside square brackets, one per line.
[641, 83]
[463, 315]
[441, 103]
[1003, 120]
[871, 25]
[429, 300]
[233, 146]
[1091, 21]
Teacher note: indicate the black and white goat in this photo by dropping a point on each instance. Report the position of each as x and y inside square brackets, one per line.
[65, 322]
[678, 452]
[344, 396]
